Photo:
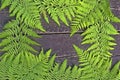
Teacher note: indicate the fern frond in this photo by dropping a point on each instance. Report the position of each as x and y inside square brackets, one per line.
[24, 66]
[26, 11]
[90, 13]
[58, 10]
[15, 38]
[88, 64]
[5, 64]
[57, 71]
[99, 36]
[5, 3]
[93, 67]
[115, 72]
[62, 72]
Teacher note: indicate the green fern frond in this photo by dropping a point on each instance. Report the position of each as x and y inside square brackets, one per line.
[62, 72]
[5, 3]
[93, 67]
[26, 11]
[24, 66]
[58, 71]
[90, 64]
[30, 11]
[58, 10]
[15, 38]
[90, 13]
[115, 72]
[99, 36]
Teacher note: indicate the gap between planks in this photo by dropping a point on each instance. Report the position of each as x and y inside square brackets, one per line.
[67, 32]
[51, 33]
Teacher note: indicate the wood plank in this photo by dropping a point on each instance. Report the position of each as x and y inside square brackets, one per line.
[61, 44]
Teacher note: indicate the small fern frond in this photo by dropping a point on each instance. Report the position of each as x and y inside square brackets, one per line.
[99, 36]
[93, 67]
[58, 10]
[15, 38]
[62, 72]
[89, 64]
[84, 16]
[115, 72]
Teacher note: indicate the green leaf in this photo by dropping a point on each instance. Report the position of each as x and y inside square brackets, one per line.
[5, 3]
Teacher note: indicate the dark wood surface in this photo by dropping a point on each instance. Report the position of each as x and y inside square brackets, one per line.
[59, 40]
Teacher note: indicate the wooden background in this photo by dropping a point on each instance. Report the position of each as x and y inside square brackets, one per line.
[59, 40]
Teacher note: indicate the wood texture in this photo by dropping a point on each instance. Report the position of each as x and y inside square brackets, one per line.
[59, 40]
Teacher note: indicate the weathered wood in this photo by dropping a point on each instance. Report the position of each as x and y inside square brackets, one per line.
[61, 44]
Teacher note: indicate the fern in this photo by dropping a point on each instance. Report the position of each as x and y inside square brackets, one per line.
[91, 13]
[16, 38]
[94, 16]
[82, 13]
[30, 11]
[25, 10]
[61, 9]
[93, 67]
[62, 72]
[26, 66]
[99, 36]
